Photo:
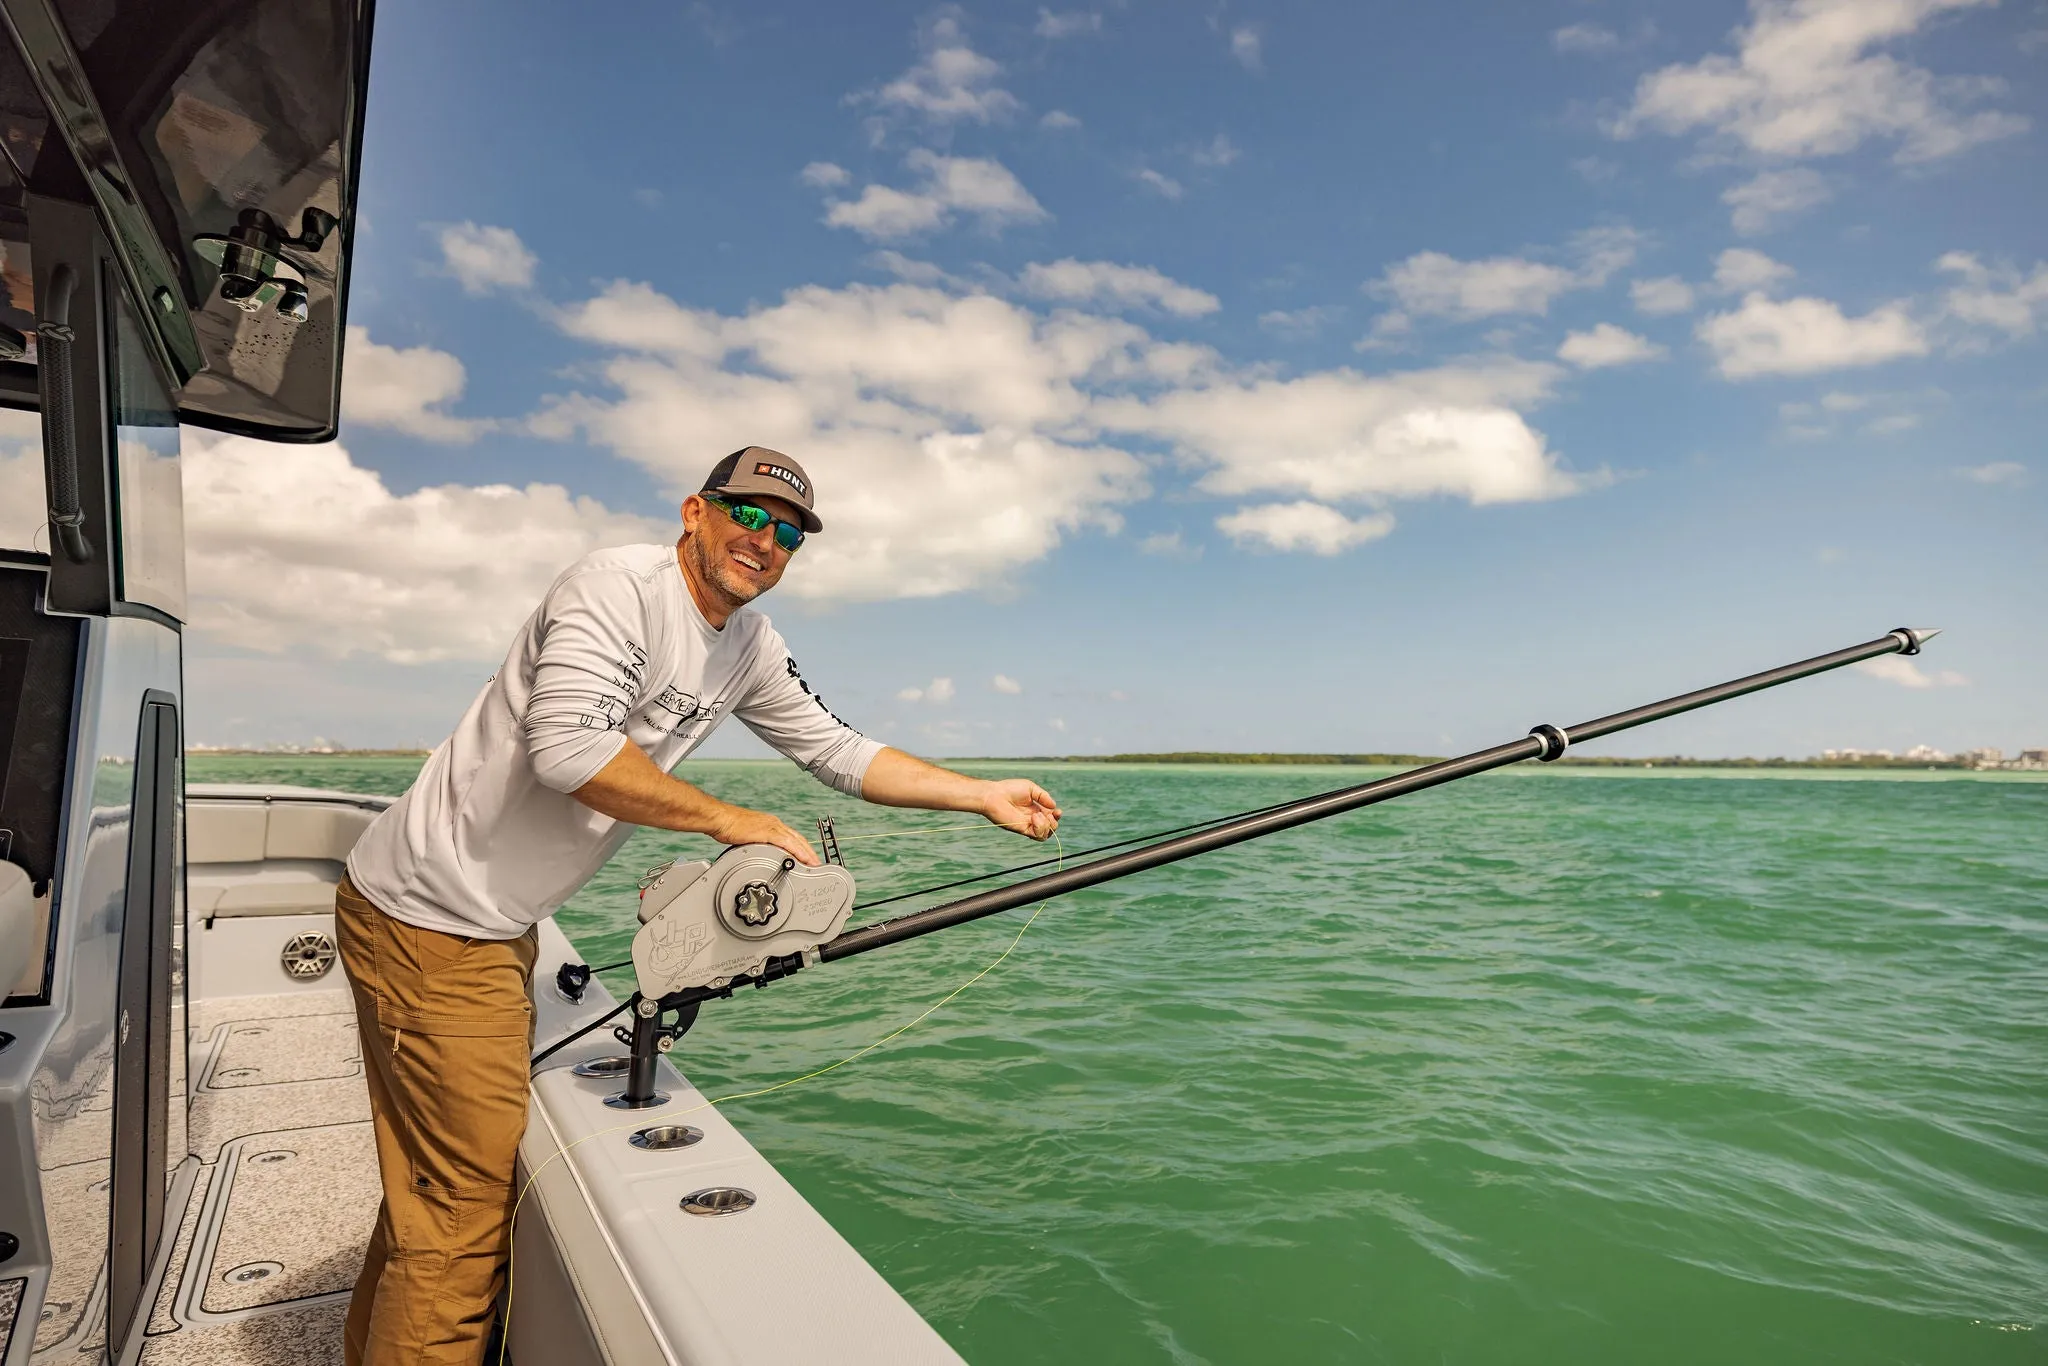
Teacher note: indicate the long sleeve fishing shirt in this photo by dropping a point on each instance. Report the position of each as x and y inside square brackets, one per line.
[488, 839]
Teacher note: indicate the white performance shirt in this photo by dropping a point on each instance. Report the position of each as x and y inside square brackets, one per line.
[488, 839]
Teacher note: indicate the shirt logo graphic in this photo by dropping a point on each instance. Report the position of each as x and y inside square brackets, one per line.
[789, 477]
[675, 710]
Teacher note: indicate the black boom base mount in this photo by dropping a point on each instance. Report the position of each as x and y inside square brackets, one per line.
[651, 1035]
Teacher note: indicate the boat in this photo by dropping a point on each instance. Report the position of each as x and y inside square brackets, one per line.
[186, 1164]
[187, 1170]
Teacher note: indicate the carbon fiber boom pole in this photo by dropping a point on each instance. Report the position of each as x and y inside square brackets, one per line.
[1544, 742]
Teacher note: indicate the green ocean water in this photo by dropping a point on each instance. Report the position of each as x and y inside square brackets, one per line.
[1546, 1066]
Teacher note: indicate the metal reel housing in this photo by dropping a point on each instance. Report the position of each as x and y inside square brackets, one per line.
[705, 923]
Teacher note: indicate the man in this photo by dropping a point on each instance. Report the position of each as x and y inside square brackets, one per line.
[631, 660]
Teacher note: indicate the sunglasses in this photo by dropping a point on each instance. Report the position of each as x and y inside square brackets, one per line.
[788, 535]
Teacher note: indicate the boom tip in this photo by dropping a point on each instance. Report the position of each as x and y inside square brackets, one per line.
[1914, 637]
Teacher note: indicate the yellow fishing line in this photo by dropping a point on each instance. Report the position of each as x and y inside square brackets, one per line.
[511, 1242]
[930, 830]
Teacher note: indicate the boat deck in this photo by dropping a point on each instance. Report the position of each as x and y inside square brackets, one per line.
[279, 1206]
[276, 1202]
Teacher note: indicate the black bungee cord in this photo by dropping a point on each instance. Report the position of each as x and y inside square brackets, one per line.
[563, 1043]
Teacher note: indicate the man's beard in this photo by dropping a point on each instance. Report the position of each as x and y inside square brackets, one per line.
[719, 576]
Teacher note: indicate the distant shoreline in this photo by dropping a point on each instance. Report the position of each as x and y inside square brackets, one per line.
[1227, 758]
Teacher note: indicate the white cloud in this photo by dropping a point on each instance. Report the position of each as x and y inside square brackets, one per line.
[403, 388]
[1058, 118]
[1169, 545]
[486, 258]
[1589, 38]
[1074, 281]
[1606, 345]
[720, 29]
[1339, 435]
[910, 694]
[1740, 270]
[974, 186]
[883, 213]
[1160, 182]
[1664, 295]
[1603, 251]
[1812, 420]
[1297, 323]
[1220, 151]
[957, 437]
[947, 432]
[1805, 336]
[1313, 527]
[1006, 685]
[1907, 674]
[1247, 45]
[1768, 197]
[940, 690]
[1072, 24]
[914, 271]
[824, 175]
[24, 499]
[1808, 78]
[1056, 723]
[1999, 297]
[1431, 283]
[2009, 473]
[951, 82]
[297, 547]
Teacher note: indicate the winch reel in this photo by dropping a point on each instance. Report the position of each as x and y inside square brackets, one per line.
[704, 923]
[752, 913]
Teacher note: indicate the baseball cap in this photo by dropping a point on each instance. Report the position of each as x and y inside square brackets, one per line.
[765, 474]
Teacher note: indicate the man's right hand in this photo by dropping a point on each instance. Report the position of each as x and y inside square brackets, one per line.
[739, 825]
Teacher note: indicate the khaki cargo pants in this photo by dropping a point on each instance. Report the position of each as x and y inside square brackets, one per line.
[446, 1032]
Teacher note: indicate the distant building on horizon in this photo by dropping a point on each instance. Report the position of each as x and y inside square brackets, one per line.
[1985, 757]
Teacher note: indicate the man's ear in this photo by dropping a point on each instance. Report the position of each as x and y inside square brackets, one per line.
[693, 513]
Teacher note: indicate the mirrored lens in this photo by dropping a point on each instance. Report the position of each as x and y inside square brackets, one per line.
[788, 535]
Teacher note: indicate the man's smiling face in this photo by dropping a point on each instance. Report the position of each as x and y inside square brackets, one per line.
[734, 564]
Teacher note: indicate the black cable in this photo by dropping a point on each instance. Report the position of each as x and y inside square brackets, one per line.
[1085, 853]
[614, 967]
[558, 1046]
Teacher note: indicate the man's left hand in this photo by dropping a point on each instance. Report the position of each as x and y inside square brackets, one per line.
[1022, 805]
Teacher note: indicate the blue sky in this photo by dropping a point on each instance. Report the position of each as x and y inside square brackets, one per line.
[1231, 377]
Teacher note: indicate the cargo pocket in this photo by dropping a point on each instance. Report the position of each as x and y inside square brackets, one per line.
[469, 1106]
